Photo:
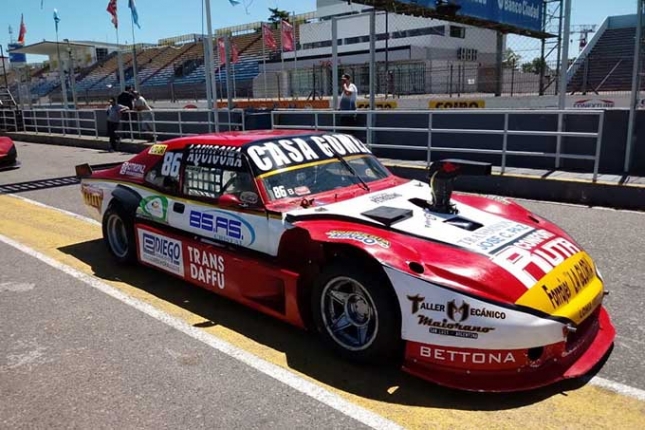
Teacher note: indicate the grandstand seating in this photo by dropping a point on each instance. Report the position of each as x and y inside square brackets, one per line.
[158, 67]
[609, 64]
[165, 73]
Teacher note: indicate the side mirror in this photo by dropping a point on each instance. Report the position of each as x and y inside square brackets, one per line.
[229, 201]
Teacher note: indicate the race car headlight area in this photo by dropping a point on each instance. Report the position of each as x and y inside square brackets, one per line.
[459, 340]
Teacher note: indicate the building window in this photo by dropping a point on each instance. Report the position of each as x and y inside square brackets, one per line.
[458, 32]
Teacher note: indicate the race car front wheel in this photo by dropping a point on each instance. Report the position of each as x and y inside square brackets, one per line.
[118, 234]
[355, 312]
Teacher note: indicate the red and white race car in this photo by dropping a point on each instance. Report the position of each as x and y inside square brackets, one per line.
[310, 228]
[8, 154]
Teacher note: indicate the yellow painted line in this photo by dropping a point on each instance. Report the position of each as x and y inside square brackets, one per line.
[390, 393]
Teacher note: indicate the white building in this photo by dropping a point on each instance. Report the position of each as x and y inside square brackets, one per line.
[424, 55]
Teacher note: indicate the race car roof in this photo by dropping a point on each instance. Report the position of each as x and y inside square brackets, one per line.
[236, 138]
[267, 150]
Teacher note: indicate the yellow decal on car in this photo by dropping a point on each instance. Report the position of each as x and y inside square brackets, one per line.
[571, 290]
[158, 149]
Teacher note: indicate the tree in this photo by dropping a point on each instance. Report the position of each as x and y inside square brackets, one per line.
[510, 59]
[277, 15]
[535, 66]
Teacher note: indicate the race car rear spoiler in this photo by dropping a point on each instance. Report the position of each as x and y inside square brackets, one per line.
[85, 170]
[442, 174]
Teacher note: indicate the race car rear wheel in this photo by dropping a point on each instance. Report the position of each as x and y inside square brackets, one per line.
[355, 312]
[118, 234]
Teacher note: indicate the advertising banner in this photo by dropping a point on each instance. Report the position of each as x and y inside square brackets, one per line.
[522, 14]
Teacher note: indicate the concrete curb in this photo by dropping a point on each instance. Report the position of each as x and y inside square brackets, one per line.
[90, 142]
[528, 187]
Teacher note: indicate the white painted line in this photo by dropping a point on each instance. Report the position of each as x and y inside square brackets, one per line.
[619, 388]
[63, 211]
[288, 378]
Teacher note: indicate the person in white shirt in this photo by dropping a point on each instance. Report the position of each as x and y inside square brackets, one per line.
[145, 114]
[348, 102]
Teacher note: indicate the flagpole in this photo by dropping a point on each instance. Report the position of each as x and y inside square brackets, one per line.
[134, 56]
[209, 71]
[63, 85]
[295, 55]
[264, 62]
[120, 61]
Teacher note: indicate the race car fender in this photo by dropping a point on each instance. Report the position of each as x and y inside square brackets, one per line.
[375, 242]
[127, 197]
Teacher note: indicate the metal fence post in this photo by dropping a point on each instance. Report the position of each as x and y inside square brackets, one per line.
[154, 126]
[130, 123]
[429, 156]
[78, 125]
[96, 125]
[369, 128]
[49, 126]
[596, 162]
[504, 142]
[316, 120]
[558, 145]
[181, 133]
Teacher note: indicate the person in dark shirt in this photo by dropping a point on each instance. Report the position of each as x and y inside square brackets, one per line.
[126, 98]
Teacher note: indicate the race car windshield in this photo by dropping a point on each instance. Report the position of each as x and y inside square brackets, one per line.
[323, 176]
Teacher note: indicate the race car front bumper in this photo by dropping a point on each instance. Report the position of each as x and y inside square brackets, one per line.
[571, 359]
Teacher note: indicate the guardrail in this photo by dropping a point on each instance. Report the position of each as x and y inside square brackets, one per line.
[60, 121]
[133, 125]
[328, 120]
[142, 124]
[8, 120]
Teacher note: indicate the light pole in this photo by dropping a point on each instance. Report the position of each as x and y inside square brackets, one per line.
[70, 73]
[4, 70]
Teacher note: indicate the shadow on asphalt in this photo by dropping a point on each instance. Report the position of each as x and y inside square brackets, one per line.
[304, 352]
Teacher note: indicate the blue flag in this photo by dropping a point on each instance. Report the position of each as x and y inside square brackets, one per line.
[234, 2]
[56, 19]
[135, 14]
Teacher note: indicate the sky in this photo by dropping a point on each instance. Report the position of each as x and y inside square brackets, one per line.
[89, 20]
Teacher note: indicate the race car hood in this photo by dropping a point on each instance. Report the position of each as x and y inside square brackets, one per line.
[516, 259]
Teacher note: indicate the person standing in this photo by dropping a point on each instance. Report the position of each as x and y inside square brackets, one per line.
[348, 101]
[114, 112]
[126, 98]
[145, 115]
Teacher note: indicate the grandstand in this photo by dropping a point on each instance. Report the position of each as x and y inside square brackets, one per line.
[606, 62]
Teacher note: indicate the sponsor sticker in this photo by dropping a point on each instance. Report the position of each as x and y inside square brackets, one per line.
[205, 267]
[161, 251]
[158, 149]
[92, 196]
[477, 359]
[494, 236]
[358, 236]
[571, 290]
[224, 226]
[278, 154]
[301, 191]
[154, 207]
[455, 316]
[133, 170]
[384, 197]
[228, 157]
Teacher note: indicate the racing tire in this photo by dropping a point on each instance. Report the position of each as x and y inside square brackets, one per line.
[118, 234]
[355, 312]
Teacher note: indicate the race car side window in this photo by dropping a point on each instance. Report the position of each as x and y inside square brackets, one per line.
[165, 174]
[212, 182]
